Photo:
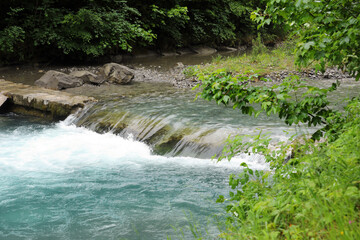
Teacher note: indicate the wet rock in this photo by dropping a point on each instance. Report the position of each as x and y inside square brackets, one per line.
[88, 77]
[163, 137]
[58, 80]
[116, 73]
[32, 100]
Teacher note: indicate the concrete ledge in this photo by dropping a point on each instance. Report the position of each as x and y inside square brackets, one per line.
[32, 100]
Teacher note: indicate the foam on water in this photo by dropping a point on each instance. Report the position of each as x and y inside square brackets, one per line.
[64, 182]
[65, 147]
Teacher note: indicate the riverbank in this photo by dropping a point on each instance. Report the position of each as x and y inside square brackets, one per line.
[321, 176]
[159, 73]
[261, 62]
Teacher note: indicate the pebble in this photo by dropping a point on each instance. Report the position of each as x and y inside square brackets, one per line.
[177, 78]
[330, 73]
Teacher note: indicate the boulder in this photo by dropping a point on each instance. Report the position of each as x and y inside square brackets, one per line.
[58, 80]
[116, 73]
[88, 77]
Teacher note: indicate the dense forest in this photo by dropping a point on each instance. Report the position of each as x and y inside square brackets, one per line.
[86, 29]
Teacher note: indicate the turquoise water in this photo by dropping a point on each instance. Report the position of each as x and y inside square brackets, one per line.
[64, 182]
[161, 113]
[59, 181]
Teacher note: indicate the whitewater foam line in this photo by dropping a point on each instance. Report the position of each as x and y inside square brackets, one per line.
[63, 147]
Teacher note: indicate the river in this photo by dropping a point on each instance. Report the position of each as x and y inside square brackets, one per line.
[75, 179]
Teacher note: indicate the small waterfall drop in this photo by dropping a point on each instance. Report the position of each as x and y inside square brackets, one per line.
[172, 123]
[60, 181]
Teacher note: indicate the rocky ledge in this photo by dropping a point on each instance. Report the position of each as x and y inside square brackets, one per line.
[37, 101]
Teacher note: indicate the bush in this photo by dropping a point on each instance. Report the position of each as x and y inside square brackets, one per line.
[313, 189]
[314, 195]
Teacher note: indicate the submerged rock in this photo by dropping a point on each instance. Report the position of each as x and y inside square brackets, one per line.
[116, 73]
[164, 137]
[58, 80]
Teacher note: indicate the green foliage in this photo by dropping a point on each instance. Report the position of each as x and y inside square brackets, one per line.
[212, 24]
[56, 27]
[278, 59]
[169, 22]
[258, 46]
[10, 38]
[94, 32]
[87, 29]
[292, 100]
[258, 49]
[329, 31]
[313, 195]
[313, 189]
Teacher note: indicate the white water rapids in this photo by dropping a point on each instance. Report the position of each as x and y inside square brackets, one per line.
[64, 182]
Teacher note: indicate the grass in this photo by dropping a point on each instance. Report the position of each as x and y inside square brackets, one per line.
[260, 61]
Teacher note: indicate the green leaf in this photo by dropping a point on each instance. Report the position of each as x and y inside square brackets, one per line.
[243, 164]
[308, 45]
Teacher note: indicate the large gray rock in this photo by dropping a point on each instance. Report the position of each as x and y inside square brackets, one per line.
[116, 73]
[88, 77]
[58, 80]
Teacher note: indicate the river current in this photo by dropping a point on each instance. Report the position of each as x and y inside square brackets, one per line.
[64, 180]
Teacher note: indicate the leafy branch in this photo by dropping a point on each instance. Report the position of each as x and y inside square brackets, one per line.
[310, 108]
